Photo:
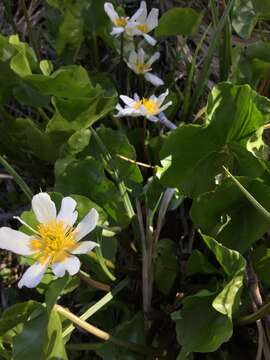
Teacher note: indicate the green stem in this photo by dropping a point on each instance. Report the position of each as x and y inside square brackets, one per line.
[108, 263]
[97, 306]
[121, 184]
[19, 180]
[103, 335]
[257, 315]
[30, 30]
[187, 91]
[207, 64]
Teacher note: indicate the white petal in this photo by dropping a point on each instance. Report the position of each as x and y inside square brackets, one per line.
[33, 275]
[84, 247]
[152, 118]
[153, 79]
[132, 57]
[153, 58]
[117, 30]
[88, 223]
[164, 107]
[141, 14]
[67, 212]
[162, 97]
[127, 100]
[127, 112]
[152, 19]
[109, 10]
[15, 241]
[149, 39]
[141, 56]
[44, 208]
[71, 265]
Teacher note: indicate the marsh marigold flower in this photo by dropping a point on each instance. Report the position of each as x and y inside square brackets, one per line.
[147, 107]
[145, 23]
[121, 23]
[55, 241]
[140, 66]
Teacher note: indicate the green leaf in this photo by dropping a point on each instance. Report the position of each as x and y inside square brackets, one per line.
[54, 291]
[29, 343]
[75, 114]
[261, 263]
[223, 140]
[87, 178]
[246, 14]
[252, 64]
[71, 82]
[132, 330]
[24, 134]
[233, 265]
[179, 21]
[199, 327]
[227, 214]
[16, 314]
[198, 263]
[54, 348]
[46, 66]
[166, 266]
[118, 146]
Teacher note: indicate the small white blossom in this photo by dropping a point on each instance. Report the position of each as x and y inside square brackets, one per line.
[55, 241]
[140, 66]
[121, 23]
[148, 108]
[145, 23]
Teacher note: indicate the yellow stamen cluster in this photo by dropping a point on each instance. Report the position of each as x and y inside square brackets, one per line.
[141, 68]
[143, 28]
[53, 242]
[149, 104]
[121, 22]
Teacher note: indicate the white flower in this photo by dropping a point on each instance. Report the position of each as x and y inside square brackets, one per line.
[137, 63]
[145, 24]
[54, 243]
[122, 23]
[148, 108]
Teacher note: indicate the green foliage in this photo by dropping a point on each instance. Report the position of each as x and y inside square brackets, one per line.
[179, 21]
[183, 260]
[221, 141]
[212, 310]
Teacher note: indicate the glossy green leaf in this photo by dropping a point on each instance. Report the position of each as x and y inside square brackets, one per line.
[179, 21]
[222, 140]
[198, 263]
[87, 178]
[54, 290]
[16, 314]
[246, 14]
[233, 265]
[199, 327]
[132, 330]
[227, 214]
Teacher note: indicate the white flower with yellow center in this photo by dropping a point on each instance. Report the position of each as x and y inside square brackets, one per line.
[145, 23]
[140, 66]
[121, 23]
[148, 108]
[55, 241]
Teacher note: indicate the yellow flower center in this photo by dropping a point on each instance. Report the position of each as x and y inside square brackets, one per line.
[143, 28]
[54, 242]
[141, 68]
[150, 105]
[121, 22]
